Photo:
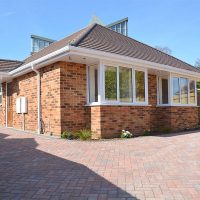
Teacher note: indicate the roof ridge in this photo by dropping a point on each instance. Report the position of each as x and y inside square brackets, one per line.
[148, 46]
[77, 40]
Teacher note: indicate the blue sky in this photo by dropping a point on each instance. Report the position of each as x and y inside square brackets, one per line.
[172, 23]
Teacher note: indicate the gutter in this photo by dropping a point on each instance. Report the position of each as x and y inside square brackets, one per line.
[128, 60]
[38, 98]
[101, 55]
[27, 67]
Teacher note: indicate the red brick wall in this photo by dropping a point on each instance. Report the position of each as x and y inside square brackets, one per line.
[50, 98]
[108, 121]
[116, 118]
[184, 118]
[3, 107]
[73, 86]
[63, 100]
[25, 86]
[170, 117]
[152, 84]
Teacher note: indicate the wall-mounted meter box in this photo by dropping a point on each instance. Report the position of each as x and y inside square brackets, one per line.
[24, 105]
[21, 105]
[18, 105]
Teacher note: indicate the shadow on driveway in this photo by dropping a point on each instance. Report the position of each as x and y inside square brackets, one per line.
[28, 173]
[176, 133]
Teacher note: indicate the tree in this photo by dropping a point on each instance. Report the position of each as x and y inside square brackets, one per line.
[166, 50]
[197, 63]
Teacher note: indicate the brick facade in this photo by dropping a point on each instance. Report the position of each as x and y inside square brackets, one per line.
[73, 85]
[50, 99]
[25, 86]
[3, 106]
[108, 121]
[63, 106]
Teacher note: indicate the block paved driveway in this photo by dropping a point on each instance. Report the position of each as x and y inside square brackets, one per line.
[156, 167]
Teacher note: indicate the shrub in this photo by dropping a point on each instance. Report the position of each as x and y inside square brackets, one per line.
[84, 134]
[146, 132]
[67, 135]
[126, 134]
[165, 130]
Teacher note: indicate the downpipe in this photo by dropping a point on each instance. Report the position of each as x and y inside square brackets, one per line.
[38, 98]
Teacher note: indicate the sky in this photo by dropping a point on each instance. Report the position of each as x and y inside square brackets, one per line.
[171, 23]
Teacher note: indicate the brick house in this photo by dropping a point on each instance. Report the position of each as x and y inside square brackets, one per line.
[101, 80]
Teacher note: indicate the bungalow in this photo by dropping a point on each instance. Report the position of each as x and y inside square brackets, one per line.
[101, 80]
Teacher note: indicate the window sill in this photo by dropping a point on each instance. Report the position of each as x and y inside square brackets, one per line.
[117, 104]
[176, 105]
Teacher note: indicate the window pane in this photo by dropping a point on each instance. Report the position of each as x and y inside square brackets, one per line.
[125, 84]
[140, 86]
[123, 28]
[118, 28]
[93, 84]
[192, 91]
[164, 91]
[176, 90]
[110, 83]
[184, 90]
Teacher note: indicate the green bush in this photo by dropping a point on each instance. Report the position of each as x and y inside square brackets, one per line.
[165, 130]
[126, 134]
[146, 132]
[67, 135]
[84, 134]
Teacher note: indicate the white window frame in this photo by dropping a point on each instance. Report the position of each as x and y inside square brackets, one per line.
[88, 81]
[172, 87]
[101, 86]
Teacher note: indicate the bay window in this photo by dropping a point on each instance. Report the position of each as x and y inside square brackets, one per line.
[183, 91]
[111, 84]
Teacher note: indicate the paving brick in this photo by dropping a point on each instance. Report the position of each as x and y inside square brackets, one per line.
[155, 167]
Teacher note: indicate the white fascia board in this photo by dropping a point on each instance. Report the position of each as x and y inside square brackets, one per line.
[4, 74]
[26, 68]
[128, 60]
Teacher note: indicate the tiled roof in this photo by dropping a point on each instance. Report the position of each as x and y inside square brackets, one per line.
[56, 46]
[9, 65]
[100, 38]
[104, 39]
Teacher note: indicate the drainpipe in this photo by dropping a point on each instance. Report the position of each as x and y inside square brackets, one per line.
[38, 97]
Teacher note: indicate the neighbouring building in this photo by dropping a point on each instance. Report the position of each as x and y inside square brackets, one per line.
[98, 79]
